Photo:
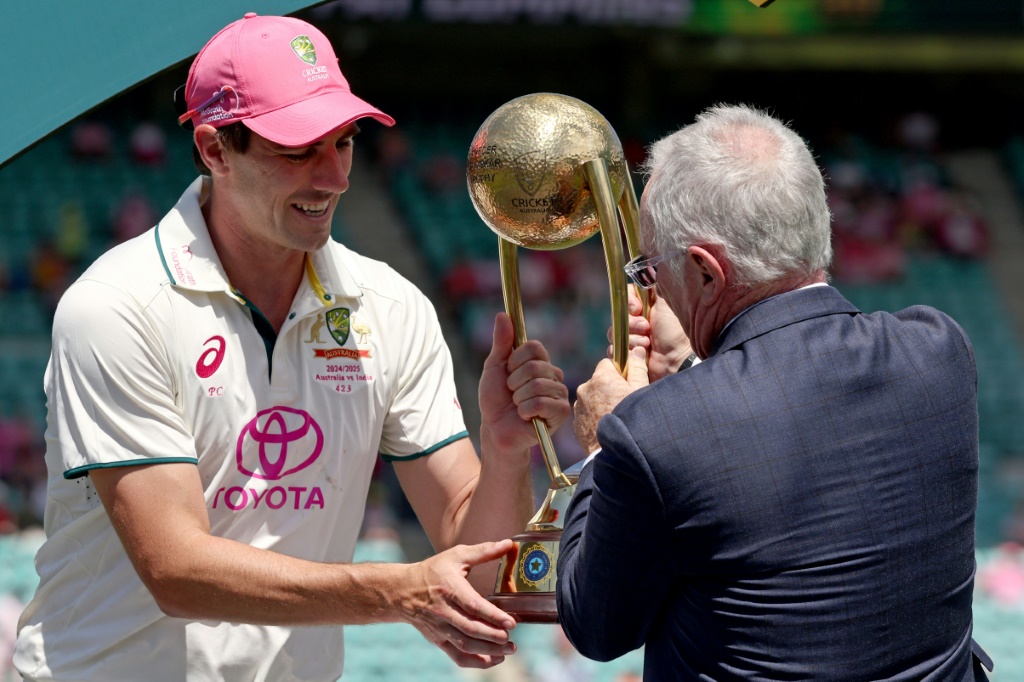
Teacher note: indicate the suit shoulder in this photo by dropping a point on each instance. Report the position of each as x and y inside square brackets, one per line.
[925, 314]
[933, 324]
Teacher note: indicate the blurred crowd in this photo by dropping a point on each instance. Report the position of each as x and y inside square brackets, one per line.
[39, 271]
[889, 198]
[886, 201]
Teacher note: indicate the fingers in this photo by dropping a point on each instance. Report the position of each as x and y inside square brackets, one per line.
[471, 645]
[470, 603]
[634, 342]
[473, 555]
[451, 614]
[531, 351]
[474, 636]
[502, 341]
[538, 390]
[537, 386]
[533, 370]
[543, 399]
[635, 305]
[636, 374]
[638, 326]
[466, 650]
[605, 368]
[464, 660]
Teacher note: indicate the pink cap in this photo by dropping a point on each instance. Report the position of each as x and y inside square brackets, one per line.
[279, 76]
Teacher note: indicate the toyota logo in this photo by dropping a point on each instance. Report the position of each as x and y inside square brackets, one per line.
[278, 442]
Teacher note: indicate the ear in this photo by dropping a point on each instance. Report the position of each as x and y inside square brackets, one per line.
[211, 149]
[708, 265]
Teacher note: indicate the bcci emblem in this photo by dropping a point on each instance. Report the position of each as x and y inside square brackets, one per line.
[535, 565]
[338, 323]
[303, 48]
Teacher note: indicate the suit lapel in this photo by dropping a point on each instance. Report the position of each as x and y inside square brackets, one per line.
[782, 310]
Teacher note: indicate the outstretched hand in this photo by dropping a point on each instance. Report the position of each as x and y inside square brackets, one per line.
[602, 392]
[662, 336]
[516, 386]
[444, 607]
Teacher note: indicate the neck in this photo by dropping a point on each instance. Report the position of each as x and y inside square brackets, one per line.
[267, 277]
[740, 297]
[756, 293]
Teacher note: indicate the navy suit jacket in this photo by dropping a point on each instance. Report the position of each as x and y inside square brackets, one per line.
[799, 506]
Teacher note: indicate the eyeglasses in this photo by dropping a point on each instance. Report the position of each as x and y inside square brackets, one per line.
[217, 96]
[644, 271]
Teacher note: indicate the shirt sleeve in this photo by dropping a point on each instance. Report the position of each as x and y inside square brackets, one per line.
[425, 414]
[614, 573]
[109, 385]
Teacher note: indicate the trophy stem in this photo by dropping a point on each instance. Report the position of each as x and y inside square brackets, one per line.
[629, 210]
[601, 187]
[508, 256]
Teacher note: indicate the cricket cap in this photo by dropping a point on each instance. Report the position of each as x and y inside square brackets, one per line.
[279, 76]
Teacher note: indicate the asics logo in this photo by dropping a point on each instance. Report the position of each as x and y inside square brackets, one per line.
[209, 361]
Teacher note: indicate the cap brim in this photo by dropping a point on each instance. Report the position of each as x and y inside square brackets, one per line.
[305, 122]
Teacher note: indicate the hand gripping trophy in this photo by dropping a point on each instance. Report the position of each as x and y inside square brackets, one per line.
[547, 171]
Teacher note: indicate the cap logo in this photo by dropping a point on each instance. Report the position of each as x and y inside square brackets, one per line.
[303, 48]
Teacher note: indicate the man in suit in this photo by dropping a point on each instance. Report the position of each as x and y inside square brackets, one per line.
[800, 504]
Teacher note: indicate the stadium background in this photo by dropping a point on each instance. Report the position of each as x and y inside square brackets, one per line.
[913, 108]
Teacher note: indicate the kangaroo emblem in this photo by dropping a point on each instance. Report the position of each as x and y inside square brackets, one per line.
[314, 332]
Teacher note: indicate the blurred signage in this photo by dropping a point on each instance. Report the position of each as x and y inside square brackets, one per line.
[598, 12]
[842, 9]
[722, 17]
[648, 12]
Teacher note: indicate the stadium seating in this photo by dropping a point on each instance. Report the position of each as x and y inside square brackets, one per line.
[441, 219]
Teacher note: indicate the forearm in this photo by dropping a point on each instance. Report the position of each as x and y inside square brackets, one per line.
[210, 578]
[218, 579]
[501, 502]
[498, 505]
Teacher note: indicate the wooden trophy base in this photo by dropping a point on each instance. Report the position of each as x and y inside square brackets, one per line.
[526, 607]
[525, 588]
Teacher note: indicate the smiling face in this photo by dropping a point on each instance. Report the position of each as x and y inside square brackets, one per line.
[283, 198]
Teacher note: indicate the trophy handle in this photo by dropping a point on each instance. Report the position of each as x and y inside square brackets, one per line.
[508, 256]
[629, 210]
[596, 172]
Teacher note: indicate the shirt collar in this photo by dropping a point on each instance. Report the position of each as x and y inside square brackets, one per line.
[736, 316]
[191, 261]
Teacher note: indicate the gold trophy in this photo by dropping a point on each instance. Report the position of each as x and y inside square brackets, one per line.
[546, 171]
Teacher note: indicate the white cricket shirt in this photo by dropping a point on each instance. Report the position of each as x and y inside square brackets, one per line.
[156, 359]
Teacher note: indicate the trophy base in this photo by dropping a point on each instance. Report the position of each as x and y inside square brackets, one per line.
[525, 607]
[525, 588]
[525, 585]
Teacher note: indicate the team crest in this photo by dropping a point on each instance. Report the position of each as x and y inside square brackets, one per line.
[304, 50]
[535, 564]
[530, 170]
[339, 322]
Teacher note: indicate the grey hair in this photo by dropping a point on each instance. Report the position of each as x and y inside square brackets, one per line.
[742, 180]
